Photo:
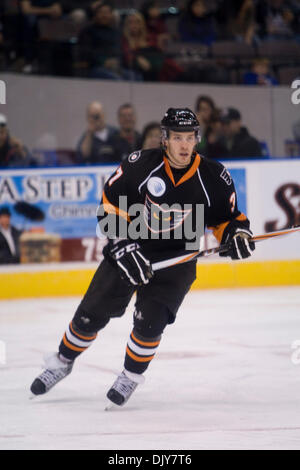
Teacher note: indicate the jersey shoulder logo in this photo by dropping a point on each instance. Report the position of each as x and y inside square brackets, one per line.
[225, 175]
[156, 186]
[133, 157]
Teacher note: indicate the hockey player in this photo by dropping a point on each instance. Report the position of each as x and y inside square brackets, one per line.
[175, 173]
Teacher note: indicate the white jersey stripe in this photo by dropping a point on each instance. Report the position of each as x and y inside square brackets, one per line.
[153, 171]
[203, 187]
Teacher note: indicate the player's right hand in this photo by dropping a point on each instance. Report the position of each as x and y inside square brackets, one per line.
[133, 266]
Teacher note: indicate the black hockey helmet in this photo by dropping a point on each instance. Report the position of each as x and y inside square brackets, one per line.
[180, 120]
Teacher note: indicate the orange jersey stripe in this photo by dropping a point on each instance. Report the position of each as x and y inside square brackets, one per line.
[191, 171]
[70, 346]
[137, 358]
[143, 343]
[219, 229]
[187, 175]
[111, 209]
[169, 171]
[87, 338]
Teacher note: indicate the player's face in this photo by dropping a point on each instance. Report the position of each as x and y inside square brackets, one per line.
[180, 147]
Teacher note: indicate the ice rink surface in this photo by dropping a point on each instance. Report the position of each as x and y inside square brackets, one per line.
[223, 378]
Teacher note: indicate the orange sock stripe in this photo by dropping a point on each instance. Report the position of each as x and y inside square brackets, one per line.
[87, 338]
[137, 358]
[70, 346]
[143, 343]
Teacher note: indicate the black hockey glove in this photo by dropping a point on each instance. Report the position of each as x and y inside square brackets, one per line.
[239, 245]
[133, 266]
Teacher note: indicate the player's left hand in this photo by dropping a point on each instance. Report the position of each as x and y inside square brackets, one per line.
[239, 244]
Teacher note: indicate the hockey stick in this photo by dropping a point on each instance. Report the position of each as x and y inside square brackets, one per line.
[219, 249]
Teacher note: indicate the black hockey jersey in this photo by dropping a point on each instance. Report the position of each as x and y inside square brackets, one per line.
[167, 200]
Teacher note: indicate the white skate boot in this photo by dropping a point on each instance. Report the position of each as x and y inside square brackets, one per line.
[55, 371]
[123, 388]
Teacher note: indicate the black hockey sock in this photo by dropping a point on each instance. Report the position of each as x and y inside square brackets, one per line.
[139, 352]
[75, 342]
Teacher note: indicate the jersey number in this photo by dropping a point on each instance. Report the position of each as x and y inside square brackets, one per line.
[232, 200]
[119, 173]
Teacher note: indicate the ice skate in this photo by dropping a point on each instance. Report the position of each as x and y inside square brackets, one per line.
[123, 388]
[55, 371]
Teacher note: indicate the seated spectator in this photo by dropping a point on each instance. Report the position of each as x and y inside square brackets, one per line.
[76, 10]
[97, 143]
[12, 151]
[138, 53]
[214, 146]
[260, 74]
[2, 54]
[96, 3]
[151, 136]
[31, 11]
[275, 19]
[205, 108]
[236, 20]
[9, 239]
[197, 24]
[101, 46]
[157, 30]
[142, 56]
[208, 117]
[236, 140]
[127, 138]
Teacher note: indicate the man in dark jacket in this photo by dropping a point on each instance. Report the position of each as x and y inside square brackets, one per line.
[9, 239]
[100, 44]
[127, 139]
[236, 139]
[97, 145]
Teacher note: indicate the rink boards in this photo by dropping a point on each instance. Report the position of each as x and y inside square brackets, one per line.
[68, 280]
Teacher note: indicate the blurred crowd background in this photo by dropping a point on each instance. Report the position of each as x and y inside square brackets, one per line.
[200, 41]
[220, 42]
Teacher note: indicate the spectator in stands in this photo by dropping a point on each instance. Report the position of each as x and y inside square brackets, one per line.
[138, 52]
[236, 20]
[207, 114]
[12, 151]
[236, 140]
[197, 23]
[260, 73]
[2, 54]
[142, 56]
[151, 136]
[275, 19]
[157, 30]
[9, 239]
[214, 145]
[101, 45]
[205, 108]
[31, 11]
[77, 10]
[97, 143]
[127, 138]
